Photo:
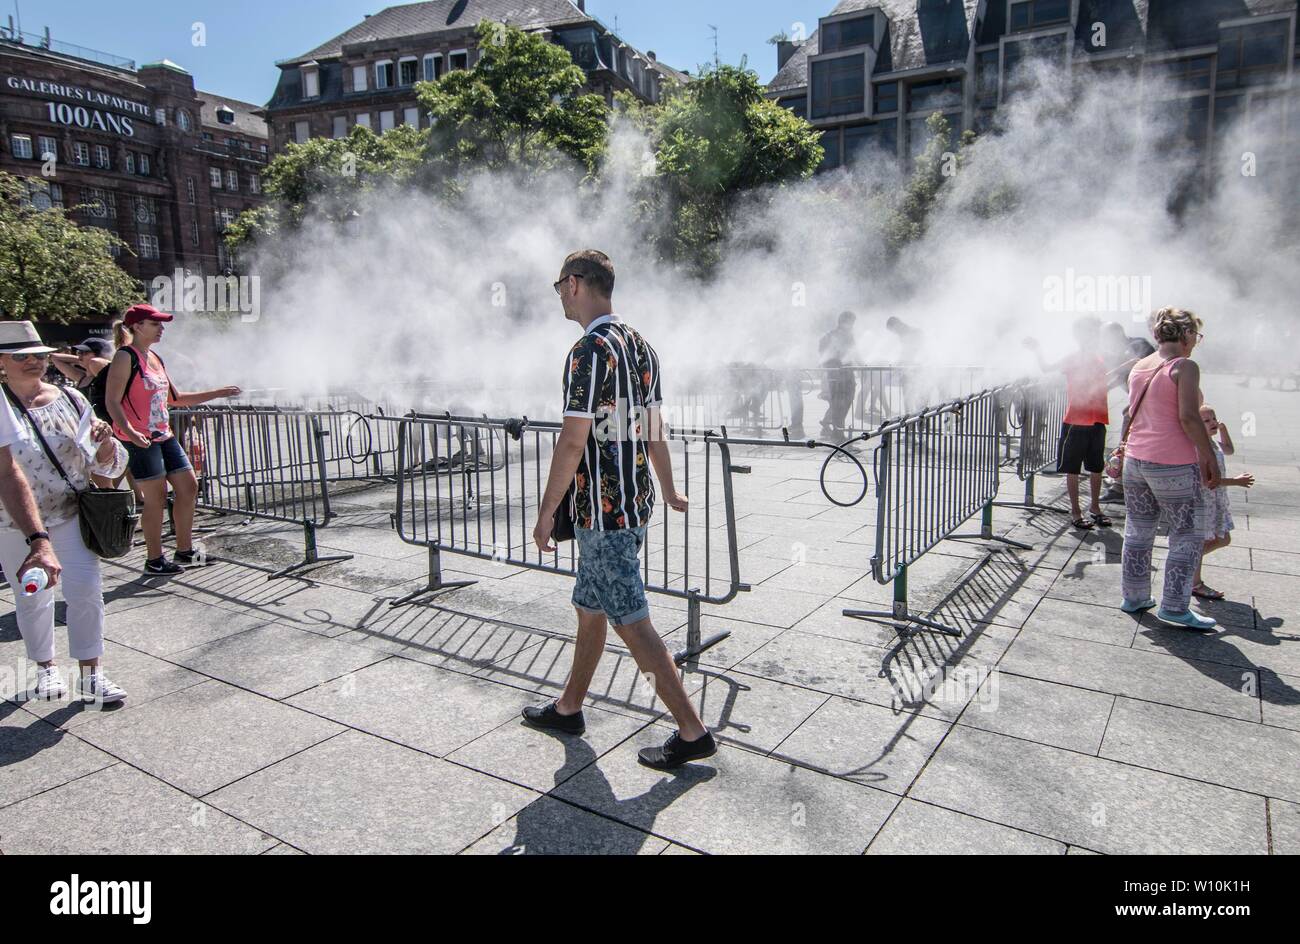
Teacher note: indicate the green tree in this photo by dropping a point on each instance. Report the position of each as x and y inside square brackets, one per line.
[51, 269]
[329, 177]
[936, 165]
[520, 107]
[718, 138]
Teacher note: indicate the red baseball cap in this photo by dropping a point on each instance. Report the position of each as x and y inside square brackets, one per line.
[138, 313]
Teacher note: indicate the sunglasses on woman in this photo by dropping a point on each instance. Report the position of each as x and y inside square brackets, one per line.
[19, 358]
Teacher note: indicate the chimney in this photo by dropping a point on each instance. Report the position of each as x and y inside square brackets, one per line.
[651, 54]
[784, 50]
[581, 5]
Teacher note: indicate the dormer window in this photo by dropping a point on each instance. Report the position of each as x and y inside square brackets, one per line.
[1036, 14]
[848, 33]
[838, 86]
[310, 81]
[225, 115]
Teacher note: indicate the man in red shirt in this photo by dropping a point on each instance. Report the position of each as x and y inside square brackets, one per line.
[1083, 433]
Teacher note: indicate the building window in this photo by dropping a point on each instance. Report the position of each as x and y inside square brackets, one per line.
[433, 67]
[214, 177]
[340, 126]
[130, 163]
[1254, 54]
[358, 78]
[146, 211]
[47, 148]
[310, 83]
[1034, 14]
[301, 131]
[831, 146]
[363, 119]
[986, 78]
[232, 180]
[1187, 75]
[384, 74]
[459, 59]
[408, 71]
[386, 121]
[160, 116]
[254, 183]
[861, 140]
[886, 98]
[103, 160]
[936, 93]
[796, 103]
[81, 153]
[1051, 49]
[194, 233]
[148, 246]
[183, 119]
[411, 116]
[101, 204]
[21, 145]
[189, 189]
[846, 34]
[838, 86]
[142, 165]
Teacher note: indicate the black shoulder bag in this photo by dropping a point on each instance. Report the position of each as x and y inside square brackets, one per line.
[107, 515]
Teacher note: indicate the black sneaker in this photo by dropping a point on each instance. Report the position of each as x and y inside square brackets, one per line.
[676, 752]
[190, 559]
[161, 565]
[549, 719]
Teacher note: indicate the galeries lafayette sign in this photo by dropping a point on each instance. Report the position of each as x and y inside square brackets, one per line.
[83, 107]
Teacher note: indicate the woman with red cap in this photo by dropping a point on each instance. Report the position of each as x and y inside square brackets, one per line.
[139, 393]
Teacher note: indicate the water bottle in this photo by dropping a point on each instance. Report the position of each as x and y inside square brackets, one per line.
[33, 581]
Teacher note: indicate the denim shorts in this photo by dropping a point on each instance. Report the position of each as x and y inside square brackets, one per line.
[164, 457]
[609, 574]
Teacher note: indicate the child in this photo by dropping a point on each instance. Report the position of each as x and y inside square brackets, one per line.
[1083, 430]
[1218, 511]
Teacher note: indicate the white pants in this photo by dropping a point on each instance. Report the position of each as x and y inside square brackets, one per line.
[81, 587]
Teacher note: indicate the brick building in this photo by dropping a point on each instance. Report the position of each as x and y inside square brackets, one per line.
[875, 70]
[138, 151]
[367, 74]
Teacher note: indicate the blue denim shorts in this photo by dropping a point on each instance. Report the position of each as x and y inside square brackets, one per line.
[609, 574]
[163, 457]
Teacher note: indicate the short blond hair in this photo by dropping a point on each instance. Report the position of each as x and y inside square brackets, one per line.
[1174, 324]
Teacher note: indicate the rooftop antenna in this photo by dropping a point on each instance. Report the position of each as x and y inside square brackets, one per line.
[19, 15]
[716, 61]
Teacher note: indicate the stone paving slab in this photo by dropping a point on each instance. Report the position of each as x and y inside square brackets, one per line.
[1285, 823]
[1088, 801]
[738, 803]
[550, 827]
[1238, 754]
[177, 623]
[35, 757]
[206, 736]
[358, 793]
[923, 829]
[1044, 712]
[122, 811]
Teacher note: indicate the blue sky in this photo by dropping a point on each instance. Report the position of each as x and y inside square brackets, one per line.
[246, 37]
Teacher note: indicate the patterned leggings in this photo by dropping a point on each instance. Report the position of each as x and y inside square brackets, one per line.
[1151, 489]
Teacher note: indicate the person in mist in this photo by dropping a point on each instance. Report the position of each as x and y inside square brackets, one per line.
[611, 436]
[910, 343]
[1218, 505]
[837, 350]
[139, 391]
[1120, 352]
[1083, 429]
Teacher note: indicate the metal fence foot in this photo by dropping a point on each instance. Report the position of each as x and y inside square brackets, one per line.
[435, 583]
[310, 557]
[900, 621]
[694, 646]
[985, 532]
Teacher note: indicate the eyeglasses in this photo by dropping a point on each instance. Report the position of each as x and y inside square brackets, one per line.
[19, 358]
[556, 285]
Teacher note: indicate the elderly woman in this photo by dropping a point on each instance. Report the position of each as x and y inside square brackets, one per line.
[58, 415]
[1167, 458]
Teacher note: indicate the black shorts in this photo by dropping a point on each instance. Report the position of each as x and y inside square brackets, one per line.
[1081, 447]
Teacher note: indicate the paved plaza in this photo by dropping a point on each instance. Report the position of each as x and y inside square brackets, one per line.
[306, 715]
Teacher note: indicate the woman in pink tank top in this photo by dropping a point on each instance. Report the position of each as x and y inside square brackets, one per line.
[1167, 460]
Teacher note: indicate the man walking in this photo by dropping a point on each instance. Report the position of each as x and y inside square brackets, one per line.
[612, 425]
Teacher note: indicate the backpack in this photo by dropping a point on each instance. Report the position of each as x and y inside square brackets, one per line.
[97, 392]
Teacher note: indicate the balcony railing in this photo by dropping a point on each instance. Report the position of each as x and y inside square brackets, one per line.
[43, 41]
[233, 150]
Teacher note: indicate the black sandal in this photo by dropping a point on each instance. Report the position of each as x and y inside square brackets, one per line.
[1100, 520]
[1081, 524]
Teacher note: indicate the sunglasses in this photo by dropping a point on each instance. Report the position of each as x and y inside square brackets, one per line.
[19, 358]
[556, 285]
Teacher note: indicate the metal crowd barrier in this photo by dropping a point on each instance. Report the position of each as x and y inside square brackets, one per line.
[471, 486]
[1036, 412]
[933, 471]
[262, 463]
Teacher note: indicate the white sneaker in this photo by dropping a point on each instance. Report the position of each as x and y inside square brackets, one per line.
[49, 684]
[99, 689]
